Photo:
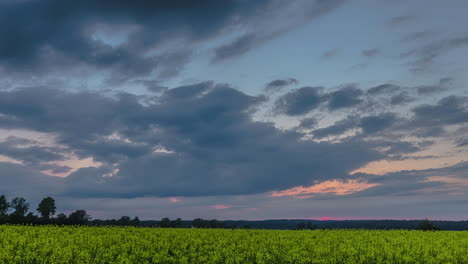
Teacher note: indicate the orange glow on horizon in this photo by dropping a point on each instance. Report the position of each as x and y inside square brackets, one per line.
[334, 187]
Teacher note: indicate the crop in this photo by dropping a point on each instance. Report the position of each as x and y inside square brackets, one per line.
[52, 244]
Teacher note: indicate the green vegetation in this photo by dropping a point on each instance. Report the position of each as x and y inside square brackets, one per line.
[51, 244]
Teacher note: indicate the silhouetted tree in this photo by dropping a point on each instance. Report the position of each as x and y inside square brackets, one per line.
[165, 223]
[199, 223]
[20, 206]
[4, 205]
[311, 226]
[176, 223]
[427, 225]
[79, 217]
[301, 226]
[61, 219]
[124, 221]
[47, 207]
[136, 221]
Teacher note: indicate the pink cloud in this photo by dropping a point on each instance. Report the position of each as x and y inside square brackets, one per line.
[334, 187]
[220, 206]
[174, 199]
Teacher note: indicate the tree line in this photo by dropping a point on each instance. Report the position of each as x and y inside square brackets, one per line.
[17, 211]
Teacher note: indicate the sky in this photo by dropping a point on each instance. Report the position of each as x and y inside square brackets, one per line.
[236, 109]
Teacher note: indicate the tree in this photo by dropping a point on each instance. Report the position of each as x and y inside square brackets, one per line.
[136, 221]
[79, 217]
[301, 226]
[4, 205]
[311, 226]
[125, 221]
[47, 207]
[20, 206]
[427, 225]
[199, 223]
[61, 219]
[165, 223]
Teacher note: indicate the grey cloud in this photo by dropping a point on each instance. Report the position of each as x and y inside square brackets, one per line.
[329, 53]
[373, 124]
[28, 151]
[410, 183]
[420, 35]
[346, 97]
[400, 20]
[205, 131]
[448, 111]
[299, 101]
[401, 98]
[443, 85]
[383, 89]
[423, 57]
[338, 128]
[368, 124]
[277, 85]
[308, 123]
[50, 35]
[20, 180]
[370, 52]
[235, 48]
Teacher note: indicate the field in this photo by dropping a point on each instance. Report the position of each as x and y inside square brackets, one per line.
[20, 244]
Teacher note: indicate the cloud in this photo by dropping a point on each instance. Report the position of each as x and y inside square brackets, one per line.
[278, 85]
[401, 98]
[448, 111]
[127, 40]
[346, 97]
[329, 53]
[338, 128]
[299, 101]
[419, 182]
[383, 89]
[370, 53]
[423, 57]
[21, 180]
[373, 124]
[443, 85]
[173, 144]
[401, 20]
[308, 123]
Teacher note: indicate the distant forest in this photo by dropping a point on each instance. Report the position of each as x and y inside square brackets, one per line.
[17, 211]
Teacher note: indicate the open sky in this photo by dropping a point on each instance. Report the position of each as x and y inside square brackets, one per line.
[236, 109]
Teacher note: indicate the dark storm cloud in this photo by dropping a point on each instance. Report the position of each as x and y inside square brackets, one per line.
[277, 85]
[344, 98]
[121, 36]
[20, 180]
[188, 136]
[299, 101]
[28, 152]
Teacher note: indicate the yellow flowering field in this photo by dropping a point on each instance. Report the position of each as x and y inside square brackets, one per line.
[51, 244]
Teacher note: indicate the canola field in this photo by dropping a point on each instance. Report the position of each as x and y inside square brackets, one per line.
[49, 244]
